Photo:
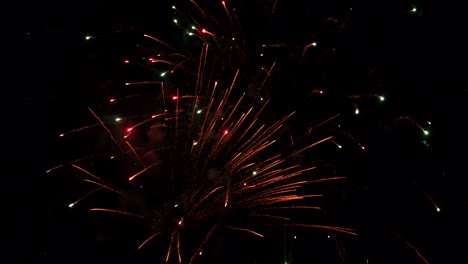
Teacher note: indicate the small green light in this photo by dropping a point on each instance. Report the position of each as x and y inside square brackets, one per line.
[426, 132]
[381, 98]
[254, 172]
[163, 74]
[199, 111]
[88, 37]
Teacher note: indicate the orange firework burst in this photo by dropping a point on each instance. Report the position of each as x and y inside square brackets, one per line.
[227, 160]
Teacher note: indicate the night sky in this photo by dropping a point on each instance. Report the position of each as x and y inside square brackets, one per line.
[411, 52]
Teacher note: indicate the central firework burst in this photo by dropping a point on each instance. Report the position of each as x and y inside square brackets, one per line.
[213, 157]
[207, 161]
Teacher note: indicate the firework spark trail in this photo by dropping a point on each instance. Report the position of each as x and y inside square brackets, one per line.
[197, 205]
[163, 95]
[149, 239]
[198, 7]
[74, 161]
[269, 184]
[203, 67]
[291, 207]
[167, 62]
[327, 179]
[200, 134]
[275, 180]
[273, 8]
[228, 189]
[157, 40]
[414, 248]
[267, 201]
[351, 137]
[152, 118]
[307, 47]
[271, 198]
[84, 196]
[321, 124]
[412, 121]
[245, 167]
[106, 187]
[176, 119]
[263, 173]
[244, 157]
[267, 76]
[232, 110]
[200, 71]
[117, 212]
[252, 145]
[427, 196]
[146, 168]
[178, 247]
[215, 38]
[231, 131]
[272, 216]
[198, 85]
[228, 14]
[80, 129]
[280, 45]
[244, 229]
[239, 122]
[143, 82]
[200, 248]
[106, 128]
[269, 165]
[136, 155]
[340, 247]
[245, 131]
[310, 146]
[87, 172]
[332, 228]
[267, 133]
[169, 250]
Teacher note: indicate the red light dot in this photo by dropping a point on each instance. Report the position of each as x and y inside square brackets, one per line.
[126, 61]
[226, 132]
[129, 129]
[363, 148]
[203, 30]
[111, 100]
[320, 92]
[245, 184]
[175, 97]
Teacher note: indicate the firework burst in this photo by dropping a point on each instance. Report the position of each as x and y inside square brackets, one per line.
[222, 160]
[207, 154]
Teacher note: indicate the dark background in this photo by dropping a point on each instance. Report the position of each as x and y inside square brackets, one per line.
[417, 59]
